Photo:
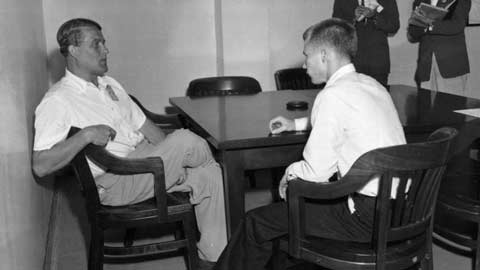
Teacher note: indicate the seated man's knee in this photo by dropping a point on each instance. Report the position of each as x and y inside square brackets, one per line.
[189, 138]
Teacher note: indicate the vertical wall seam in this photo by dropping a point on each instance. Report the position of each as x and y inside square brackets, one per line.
[219, 37]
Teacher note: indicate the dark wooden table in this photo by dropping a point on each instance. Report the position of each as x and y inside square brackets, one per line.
[237, 128]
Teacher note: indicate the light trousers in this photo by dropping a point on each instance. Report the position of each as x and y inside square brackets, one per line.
[189, 167]
[457, 85]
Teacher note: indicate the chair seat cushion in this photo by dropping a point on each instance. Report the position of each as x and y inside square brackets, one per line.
[178, 203]
[354, 253]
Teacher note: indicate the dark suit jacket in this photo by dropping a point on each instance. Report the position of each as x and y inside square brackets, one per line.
[373, 56]
[446, 41]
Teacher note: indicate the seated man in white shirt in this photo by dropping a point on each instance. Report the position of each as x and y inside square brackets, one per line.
[352, 115]
[98, 104]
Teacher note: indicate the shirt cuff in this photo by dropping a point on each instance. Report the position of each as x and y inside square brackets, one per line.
[379, 9]
[301, 123]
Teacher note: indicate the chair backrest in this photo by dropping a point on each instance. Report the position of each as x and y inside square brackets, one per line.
[223, 86]
[418, 168]
[85, 179]
[294, 79]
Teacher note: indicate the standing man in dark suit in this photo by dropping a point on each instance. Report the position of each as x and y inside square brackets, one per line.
[442, 63]
[374, 21]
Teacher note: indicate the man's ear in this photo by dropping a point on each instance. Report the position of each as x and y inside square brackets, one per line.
[73, 51]
[323, 55]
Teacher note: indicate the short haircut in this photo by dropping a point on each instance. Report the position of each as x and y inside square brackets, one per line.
[335, 33]
[70, 33]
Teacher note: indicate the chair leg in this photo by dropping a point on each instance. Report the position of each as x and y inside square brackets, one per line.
[279, 258]
[427, 262]
[190, 231]
[129, 236]
[95, 258]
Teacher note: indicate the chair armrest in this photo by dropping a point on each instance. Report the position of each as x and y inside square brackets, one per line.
[164, 121]
[119, 165]
[129, 166]
[326, 190]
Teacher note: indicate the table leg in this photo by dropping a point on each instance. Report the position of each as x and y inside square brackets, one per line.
[233, 166]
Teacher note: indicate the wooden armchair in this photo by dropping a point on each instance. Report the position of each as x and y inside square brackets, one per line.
[402, 233]
[163, 208]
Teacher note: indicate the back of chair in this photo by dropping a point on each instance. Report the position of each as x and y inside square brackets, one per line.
[294, 79]
[223, 86]
[85, 179]
[416, 168]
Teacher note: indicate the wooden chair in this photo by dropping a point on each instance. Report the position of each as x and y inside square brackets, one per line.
[162, 209]
[167, 122]
[223, 86]
[402, 233]
[457, 216]
[294, 79]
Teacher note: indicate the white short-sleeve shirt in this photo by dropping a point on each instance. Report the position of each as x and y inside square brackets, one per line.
[75, 102]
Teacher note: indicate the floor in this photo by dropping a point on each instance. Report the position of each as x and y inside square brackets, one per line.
[69, 241]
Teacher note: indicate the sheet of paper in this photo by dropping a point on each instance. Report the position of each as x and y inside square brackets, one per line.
[472, 112]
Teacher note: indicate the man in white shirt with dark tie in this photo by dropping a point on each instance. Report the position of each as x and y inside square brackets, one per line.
[352, 115]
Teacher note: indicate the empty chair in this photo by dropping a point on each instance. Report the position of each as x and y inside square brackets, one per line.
[402, 231]
[223, 86]
[173, 208]
[294, 79]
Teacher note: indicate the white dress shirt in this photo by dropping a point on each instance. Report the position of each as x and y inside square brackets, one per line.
[352, 115]
[75, 102]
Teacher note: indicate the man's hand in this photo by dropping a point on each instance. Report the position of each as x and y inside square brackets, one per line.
[282, 187]
[280, 124]
[372, 4]
[362, 12]
[99, 134]
[419, 19]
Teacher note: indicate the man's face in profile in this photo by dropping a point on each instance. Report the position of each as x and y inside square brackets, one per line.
[92, 53]
[315, 63]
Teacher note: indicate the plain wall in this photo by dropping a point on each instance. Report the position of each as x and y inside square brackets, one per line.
[25, 205]
[260, 37]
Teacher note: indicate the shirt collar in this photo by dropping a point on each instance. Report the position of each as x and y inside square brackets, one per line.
[81, 83]
[348, 68]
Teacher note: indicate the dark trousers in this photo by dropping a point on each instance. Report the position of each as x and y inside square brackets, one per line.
[251, 244]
